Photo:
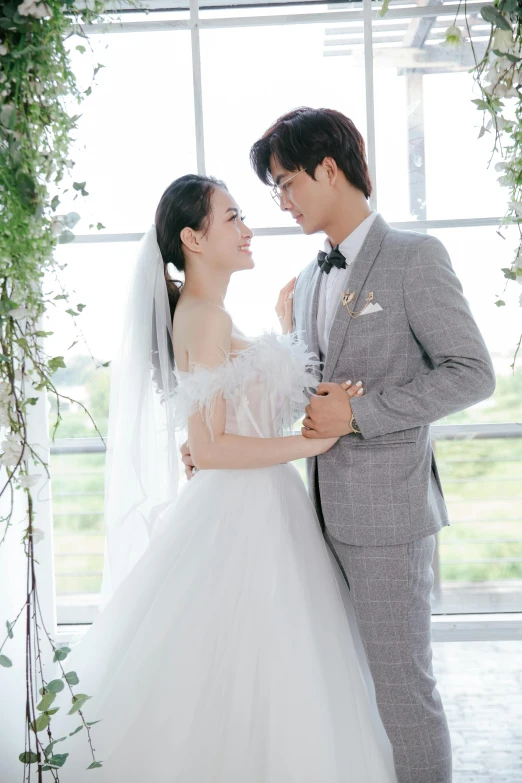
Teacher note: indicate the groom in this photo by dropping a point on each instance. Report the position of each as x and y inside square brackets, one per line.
[385, 307]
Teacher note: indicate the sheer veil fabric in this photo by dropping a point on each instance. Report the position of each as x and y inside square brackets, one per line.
[141, 473]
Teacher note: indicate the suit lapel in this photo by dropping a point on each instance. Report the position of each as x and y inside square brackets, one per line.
[358, 274]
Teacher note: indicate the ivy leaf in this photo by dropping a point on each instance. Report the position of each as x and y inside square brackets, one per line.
[81, 49]
[94, 765]
[5, 661]
[80, 186]
[76, 730]
[40, 723]
[55, 686]
[9, 629]
[72, 678]
[46, 702]
[481, 104]
[70, 311]
[509, 274]
[66, 237]
[500, 303]
[61, 296]
[61, 653]
[57, 363]
[99, 226]
[77, 702]
[28, 757]
[93, 722]
[53, 711]
[71, 219]
[54, 203]
[49, 748]
[58, 760]
[384, 8]
[80, 307]
[32, 400]
[494, 17]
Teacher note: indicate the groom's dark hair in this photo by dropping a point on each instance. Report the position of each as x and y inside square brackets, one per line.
[304, 137]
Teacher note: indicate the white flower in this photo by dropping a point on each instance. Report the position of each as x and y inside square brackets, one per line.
[57, 227]
[30, 481]
[18, 313]
[3, 50]
[500, 166]
[516, 206]
[4, 418]
[503, 90]
[12, 450]
[520, 300]
[503, 40]
[38, 10]
[453, 36]
[38, 535]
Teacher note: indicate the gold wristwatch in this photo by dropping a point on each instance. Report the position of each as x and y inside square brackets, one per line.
[354, 426]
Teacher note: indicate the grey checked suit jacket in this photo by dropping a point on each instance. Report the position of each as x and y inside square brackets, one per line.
[420, 358]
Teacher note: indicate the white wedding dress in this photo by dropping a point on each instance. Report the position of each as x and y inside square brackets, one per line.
[230, 654]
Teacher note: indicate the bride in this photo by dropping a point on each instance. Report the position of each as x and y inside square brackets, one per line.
[228, 651]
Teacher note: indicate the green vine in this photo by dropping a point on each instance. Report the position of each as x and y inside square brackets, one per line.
[498, 76]
[37, 87]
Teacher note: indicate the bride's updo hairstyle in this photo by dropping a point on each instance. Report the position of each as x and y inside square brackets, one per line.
[186, 203]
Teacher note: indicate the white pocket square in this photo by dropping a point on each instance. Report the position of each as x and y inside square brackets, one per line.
[373, 307]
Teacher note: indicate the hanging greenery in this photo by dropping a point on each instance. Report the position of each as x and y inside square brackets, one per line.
[37, 88]
[498, 74]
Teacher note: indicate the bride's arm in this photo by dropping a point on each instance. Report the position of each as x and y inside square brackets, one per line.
[210, 446]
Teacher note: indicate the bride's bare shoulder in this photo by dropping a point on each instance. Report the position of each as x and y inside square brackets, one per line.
[202, 332]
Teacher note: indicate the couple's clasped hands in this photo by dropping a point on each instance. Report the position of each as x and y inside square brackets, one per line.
[329, 412]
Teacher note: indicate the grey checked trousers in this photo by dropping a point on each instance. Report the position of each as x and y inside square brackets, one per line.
[391, 589]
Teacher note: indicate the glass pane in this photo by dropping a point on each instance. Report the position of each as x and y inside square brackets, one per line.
[430, 162]
[477, 255]
[97, 273]
[253, 75]
[136, 132]
[79, 539]
[480, 554]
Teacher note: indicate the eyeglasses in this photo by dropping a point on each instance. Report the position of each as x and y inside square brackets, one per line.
[277, 191]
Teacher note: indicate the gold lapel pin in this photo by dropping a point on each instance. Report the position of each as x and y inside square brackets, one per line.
[348, 296]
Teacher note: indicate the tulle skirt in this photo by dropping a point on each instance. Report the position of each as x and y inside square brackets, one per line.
[230, 654]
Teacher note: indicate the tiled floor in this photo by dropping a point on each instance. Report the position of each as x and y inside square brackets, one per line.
[481, 687]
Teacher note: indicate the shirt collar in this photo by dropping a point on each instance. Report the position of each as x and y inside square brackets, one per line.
[350, 246]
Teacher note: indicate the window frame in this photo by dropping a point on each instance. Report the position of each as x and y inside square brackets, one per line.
[501, 626]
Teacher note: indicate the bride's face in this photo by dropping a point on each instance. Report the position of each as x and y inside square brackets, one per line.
[226, 245]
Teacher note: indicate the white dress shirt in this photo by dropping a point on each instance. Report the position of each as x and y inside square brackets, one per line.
[336, 281]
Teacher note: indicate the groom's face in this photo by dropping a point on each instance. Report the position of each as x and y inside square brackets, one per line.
[306, 199]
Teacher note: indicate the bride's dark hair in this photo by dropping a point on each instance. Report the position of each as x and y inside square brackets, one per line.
[186, 203]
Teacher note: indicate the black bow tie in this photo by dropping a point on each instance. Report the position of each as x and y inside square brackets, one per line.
[333, 258]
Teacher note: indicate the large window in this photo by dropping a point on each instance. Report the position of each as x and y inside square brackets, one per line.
[181, 92]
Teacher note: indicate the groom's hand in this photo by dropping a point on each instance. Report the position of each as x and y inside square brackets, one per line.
[187, 459]
[329, 413]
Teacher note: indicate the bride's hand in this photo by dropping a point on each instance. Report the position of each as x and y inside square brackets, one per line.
[284, 306]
